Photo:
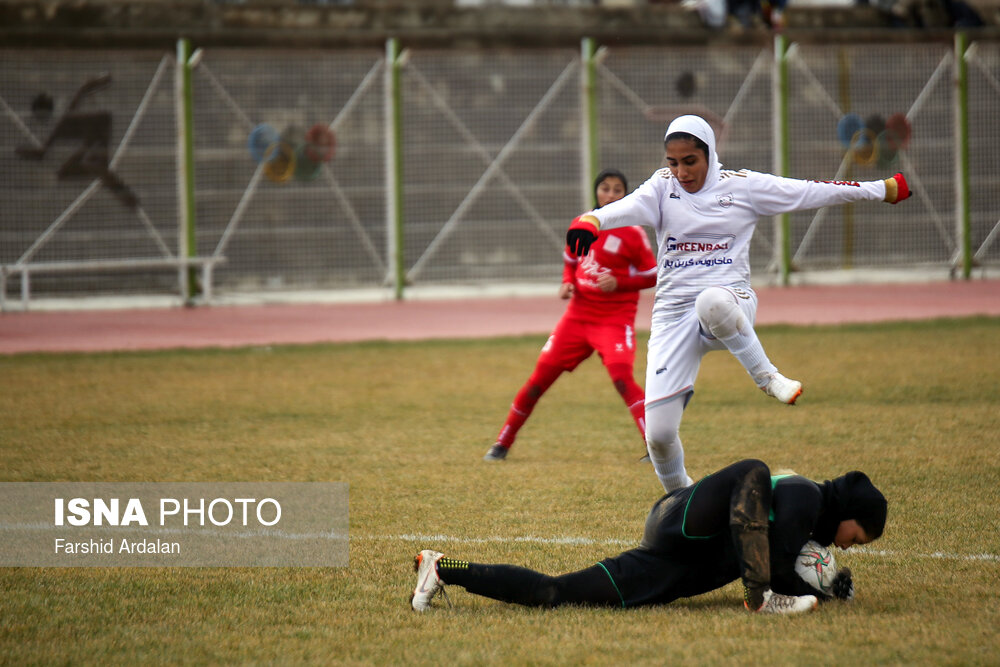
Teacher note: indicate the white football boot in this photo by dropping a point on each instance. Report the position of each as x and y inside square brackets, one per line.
[428, 581]
[783, 389]
[776, 603]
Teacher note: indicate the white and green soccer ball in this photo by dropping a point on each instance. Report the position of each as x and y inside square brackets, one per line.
[817, 566]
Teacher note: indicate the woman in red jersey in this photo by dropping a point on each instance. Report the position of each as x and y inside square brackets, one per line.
[603, 292]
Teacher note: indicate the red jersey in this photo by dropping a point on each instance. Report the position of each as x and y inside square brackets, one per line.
[624, 252]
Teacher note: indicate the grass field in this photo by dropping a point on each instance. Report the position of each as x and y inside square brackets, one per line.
[915, 405]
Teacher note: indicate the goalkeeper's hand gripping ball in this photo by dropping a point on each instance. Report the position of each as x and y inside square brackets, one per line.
[843, 585]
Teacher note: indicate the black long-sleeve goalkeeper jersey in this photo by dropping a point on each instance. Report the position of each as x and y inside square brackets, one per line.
[670, 563]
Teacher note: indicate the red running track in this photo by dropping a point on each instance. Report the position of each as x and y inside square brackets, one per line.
[236, 326]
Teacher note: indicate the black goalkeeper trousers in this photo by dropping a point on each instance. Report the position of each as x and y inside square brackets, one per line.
[734, 500]
[519, 585]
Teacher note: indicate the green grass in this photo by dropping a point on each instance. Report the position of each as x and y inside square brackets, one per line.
[916, 405]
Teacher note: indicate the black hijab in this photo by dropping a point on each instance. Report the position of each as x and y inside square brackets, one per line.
[609, 173]
[851, 496]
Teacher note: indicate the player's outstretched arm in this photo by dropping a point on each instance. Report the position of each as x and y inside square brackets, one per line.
[896, 189]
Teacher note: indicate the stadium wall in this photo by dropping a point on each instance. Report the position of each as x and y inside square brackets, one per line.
[494, 153]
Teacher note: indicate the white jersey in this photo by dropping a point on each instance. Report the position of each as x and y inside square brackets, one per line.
[703, 239]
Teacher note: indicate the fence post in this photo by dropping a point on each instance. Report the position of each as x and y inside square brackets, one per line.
[590, 145]
[962, 218]
[394, 167]
[187, 240]
[844, 94]
[779, 100]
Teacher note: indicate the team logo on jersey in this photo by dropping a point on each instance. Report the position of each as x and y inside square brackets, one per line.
[674, 195]
[726, 200]
[590, 266]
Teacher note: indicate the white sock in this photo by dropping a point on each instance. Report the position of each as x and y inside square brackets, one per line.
[750, 353]
[670, 467]
[672, 476]
[666, 452]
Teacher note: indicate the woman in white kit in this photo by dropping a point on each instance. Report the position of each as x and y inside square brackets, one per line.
[704, 217]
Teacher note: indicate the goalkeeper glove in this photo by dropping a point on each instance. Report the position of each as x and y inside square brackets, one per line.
[896, 189]
[581, 235]
[843, 585]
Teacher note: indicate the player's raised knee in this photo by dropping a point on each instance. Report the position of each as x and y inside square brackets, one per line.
[719, 313]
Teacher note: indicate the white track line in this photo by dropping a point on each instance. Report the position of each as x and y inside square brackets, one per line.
[496, 538]
[940, 555]
[587, 541]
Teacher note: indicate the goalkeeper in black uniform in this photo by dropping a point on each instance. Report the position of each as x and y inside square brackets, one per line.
[739, 522]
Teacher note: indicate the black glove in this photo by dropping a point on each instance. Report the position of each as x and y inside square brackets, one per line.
[843, 585]
[580, 240]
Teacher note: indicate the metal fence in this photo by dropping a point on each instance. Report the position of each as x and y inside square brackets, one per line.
[495, 160]
[82, 133]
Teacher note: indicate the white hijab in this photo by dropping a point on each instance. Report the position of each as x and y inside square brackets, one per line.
[699, 127]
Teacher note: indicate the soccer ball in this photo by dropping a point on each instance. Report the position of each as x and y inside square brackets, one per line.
[817, 567]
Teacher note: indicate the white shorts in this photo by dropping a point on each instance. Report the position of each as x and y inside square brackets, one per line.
[675, 351]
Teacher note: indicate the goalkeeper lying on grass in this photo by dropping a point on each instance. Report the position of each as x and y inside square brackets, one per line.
[737, 522]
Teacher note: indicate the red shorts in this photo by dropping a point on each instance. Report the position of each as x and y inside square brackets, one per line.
[573, 341]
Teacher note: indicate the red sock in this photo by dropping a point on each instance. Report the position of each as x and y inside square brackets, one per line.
[539, 382]
[635, 399]
[638, 410]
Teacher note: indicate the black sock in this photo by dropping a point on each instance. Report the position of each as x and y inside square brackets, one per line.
[519, 585]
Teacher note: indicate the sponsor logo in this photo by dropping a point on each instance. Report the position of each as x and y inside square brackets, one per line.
[674, 195]
[673, 245]
[853, 184]
[707, 261]
[711, 247]
[726, 200]
[661, 370]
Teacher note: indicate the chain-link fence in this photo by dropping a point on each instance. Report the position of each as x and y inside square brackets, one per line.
[282, 221]
[492, 148]
[984, 150]
[88, 153]
[492, 164]
[827, 84]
